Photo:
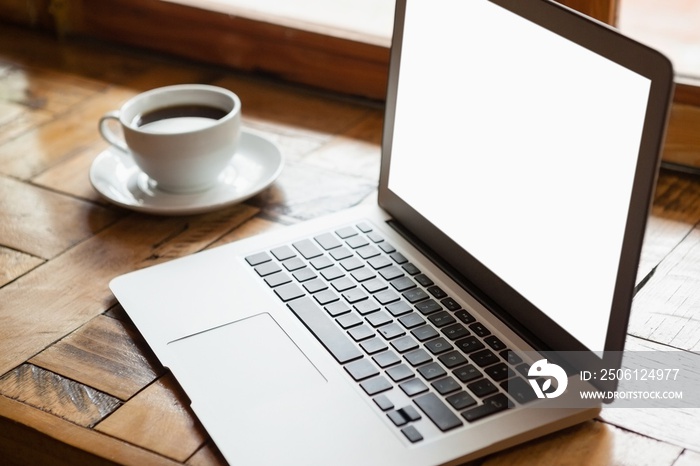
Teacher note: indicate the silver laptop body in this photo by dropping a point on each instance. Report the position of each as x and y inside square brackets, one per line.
[520, 150]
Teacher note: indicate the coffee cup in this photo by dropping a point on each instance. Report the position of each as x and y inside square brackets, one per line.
[182, 137]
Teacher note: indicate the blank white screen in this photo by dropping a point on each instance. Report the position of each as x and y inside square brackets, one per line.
[521, 146]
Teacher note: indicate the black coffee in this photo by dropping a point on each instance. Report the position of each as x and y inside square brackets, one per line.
[179, 111]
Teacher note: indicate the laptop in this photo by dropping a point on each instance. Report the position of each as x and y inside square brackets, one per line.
[520, 149]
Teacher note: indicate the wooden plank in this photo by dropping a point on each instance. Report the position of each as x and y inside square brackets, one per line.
[31, 436]
[667, 309]
[47, 304]
[106, 354]
[57, 395]
[208, 455]
[677, 426]
[158, 419]
[683, 137]
[603, 10]
[14, 264]
[591, 444]
[44, 223]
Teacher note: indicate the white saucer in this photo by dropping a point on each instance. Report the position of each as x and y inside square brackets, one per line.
[255, 166]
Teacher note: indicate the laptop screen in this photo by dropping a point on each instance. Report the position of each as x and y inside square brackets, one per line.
[521, 146]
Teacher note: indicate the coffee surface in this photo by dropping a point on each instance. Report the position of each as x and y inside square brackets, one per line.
[179, 111]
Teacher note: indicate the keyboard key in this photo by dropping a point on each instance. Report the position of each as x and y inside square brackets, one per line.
[304, 275]
[412, 434]
[511, 356]
[464, 316]
[379, 262]
[432, 371]
[355, 295]
[364, 227]
[397, 418]
[493, 405]
[438, 346]
[482, 387]
[337, 308]
[386, 297]
[428, 307]
[446, 385]
[438, 412]
[341, 253]
[484, 358]
[328, 241]
[315, 285]
[293, 264]
[375, 237]
[410, 413]
[343, 284]
[469, 344]
[499, 372]
[257, 259]
[441, 319]
[404, 344]
[520, 390]
[349, 320]
[455, 331]
[467, 373]
[374, 285]
[451, 304]
[399, 373]
[452, 359]
[418, 357]
[437, 292]
[379, 318]
[357, 242]
[403, 284]
[495, 343]
[289, 292]
[346, 232]
[424, 333]
[307, 249]
[373, 345]
[363, 274]
[413, 387]
[424, 280]
[391, 331]
[415, 295]
[411, 320]
[361, 369]
[376, 385]
[461, 400]
[366, 307]
[479, 329]
[367, 252]
[283, 253]
[399, 308]
[268, 268]
[277, 279]
[386, 359]
[351, 263]
[321, 262]
[325, 330]
[399, 258]
[325, 297]
[387, 247]
[390, 273]
[361, 332]
[383, 402]
[411, 269]
[332, 273]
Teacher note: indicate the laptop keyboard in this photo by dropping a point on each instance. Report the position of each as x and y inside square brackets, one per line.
[393, 328]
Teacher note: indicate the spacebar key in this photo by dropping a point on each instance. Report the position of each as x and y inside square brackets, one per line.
[320, 324]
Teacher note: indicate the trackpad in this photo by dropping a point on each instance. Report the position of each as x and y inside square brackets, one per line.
[250, 357]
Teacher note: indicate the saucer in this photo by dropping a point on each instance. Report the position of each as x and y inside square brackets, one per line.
[257, 163]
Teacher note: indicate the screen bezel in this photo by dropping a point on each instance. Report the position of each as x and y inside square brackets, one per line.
[608, 43]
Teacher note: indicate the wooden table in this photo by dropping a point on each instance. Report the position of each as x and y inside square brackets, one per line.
[77, 383]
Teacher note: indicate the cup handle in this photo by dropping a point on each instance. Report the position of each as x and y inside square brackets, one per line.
[108, 134]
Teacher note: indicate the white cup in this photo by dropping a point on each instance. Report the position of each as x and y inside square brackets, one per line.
[181, 136]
